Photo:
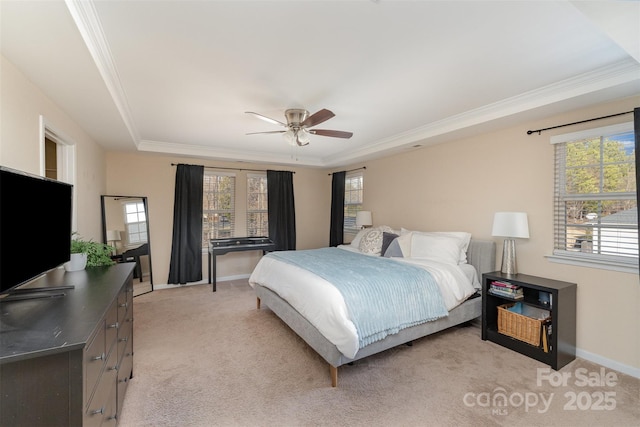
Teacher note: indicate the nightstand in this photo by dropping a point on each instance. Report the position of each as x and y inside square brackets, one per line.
[557, 345]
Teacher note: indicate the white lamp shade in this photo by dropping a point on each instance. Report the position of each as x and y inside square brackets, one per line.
[113, 235]
[363, 218]
[511, 224]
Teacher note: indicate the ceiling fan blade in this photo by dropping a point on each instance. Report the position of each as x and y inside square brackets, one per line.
[267, 119]
[271, 131]
[333, 133]
[317, 118]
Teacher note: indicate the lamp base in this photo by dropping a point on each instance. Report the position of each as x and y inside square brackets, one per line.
[509, 257]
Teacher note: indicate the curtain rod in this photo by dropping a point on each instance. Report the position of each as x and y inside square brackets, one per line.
[352, 170]
[529, 132]
[233, 169]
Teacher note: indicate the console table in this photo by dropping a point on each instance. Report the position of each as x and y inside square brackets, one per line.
[67, 359]
[235, 244]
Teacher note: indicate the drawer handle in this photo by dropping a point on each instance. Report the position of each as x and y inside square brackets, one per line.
[97, 411]
[114, 368]
[101, 357]
[125, 339]
[124, 380]
[124, 305]
[114, 326]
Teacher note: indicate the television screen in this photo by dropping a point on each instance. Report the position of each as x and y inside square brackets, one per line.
[35, 226]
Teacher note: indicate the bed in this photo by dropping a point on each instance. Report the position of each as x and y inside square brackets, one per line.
[305, 299]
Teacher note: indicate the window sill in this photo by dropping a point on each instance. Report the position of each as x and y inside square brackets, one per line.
[619, 267]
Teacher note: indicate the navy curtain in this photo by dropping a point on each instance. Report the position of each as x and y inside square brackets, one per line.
[281, 210]
[636, 131]
[336, 229]
[186, 247]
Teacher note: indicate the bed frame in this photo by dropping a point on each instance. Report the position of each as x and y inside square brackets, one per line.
[481, 254]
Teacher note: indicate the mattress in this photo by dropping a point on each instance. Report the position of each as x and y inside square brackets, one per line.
[324, 307]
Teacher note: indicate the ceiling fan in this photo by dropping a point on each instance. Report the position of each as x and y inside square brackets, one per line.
[299, 123]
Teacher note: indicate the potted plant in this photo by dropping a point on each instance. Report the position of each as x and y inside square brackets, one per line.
[88, 253]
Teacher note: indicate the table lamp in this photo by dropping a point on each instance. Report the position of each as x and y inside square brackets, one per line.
[510, 225]
[113, 236]
[363, 219]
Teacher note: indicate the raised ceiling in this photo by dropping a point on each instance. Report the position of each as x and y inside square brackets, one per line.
[177, 76]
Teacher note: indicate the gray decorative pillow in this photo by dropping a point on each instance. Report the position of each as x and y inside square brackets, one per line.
[394, 250]
[387, 238]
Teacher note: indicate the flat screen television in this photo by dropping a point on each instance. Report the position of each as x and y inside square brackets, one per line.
[35, 226]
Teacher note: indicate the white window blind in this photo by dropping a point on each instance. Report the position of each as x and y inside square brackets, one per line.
[595, 213]
[353, 191]
[218, 210]
[257, 205]
[135, 222]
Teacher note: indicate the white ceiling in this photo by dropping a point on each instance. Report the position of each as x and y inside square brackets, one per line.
[177, 76]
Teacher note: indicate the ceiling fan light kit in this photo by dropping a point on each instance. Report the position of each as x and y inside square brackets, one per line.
[298, 123]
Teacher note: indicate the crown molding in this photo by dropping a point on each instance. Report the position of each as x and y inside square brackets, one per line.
[86, 19]
[603, 78]
[200, 151]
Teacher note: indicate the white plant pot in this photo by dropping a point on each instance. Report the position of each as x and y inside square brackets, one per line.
[76, 263]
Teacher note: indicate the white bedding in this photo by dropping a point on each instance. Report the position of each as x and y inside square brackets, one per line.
[324, 307]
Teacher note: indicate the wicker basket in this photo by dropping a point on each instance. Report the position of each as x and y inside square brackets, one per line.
[519, 326]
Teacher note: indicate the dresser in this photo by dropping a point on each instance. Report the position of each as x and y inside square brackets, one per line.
[67, 360]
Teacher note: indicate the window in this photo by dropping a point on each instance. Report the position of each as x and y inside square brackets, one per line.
[595, 214]
[257, 204]
[135, 220]
[218, 210]
[353, 185]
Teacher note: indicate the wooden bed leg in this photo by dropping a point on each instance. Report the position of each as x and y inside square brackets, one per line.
[257, 303]
[334, 375]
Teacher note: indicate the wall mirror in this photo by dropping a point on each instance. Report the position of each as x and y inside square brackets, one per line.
[125, 227]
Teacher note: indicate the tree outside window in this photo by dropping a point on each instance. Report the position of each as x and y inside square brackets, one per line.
[257, 206]
[218, 208]
[353, 191]
[595, 207]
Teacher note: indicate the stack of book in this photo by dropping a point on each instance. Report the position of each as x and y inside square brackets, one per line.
[506, 289]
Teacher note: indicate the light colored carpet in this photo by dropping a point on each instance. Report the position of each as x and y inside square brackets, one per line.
[212, 359]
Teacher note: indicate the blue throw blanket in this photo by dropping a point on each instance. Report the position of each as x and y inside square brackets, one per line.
[382, 296]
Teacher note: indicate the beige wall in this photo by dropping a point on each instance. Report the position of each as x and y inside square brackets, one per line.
[152, 175]
[459, 186]
[21, 107]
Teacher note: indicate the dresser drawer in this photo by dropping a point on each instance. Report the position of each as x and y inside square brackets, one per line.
[95, 357]
[112, 326]
[125, 334]
[125, 301]
[101, 406]
[124, 373]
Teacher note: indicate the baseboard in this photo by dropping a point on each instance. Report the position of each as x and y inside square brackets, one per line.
[608, 363]
[202, 282]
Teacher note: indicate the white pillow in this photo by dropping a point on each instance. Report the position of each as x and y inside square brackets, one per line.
[438, 248]
[404, 241]
[463, 238]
